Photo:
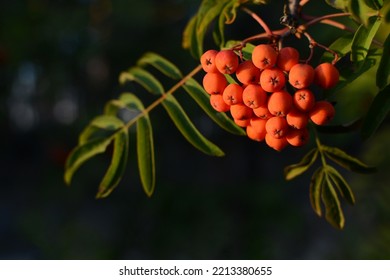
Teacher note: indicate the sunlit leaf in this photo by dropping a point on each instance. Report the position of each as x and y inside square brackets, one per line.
[160, 63]
[189, 37]
[342, 46]
[361, 11]
[377, 112]
[374, 4]
[196, 91]
[144, 78]
[383, 72]
[101, 126]
[117, 166]
[82, 153]
[315, 187]
[339, 4]
[227, 16]
[111, 108]
[341, 184]
[333, 212]
[347, 161]
[294, 170]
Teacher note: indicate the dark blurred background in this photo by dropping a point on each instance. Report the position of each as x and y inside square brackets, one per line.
[59, 64]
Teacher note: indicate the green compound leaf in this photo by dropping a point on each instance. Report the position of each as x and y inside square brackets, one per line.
[117, 166]
[144, 78]
[316, 183]
[227, 16]
[160, 63]
[383, 72]
[339, 4]
[342, 46]
[361, 11]
[333, 212]
[342, 185]
[346, 161]
[100, 127]
[82, 153]
[294, 170]
[374, 4]
[377, 112]
[363, 38]
[189, 37]
[385, 11]
[196, 91]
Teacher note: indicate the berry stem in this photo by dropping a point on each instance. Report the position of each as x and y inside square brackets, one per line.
[257, 18]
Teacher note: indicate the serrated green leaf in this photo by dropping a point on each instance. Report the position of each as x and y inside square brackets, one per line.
[115, 171]
[333, 212]
[315, 187]
[342, 46]
[82, 153]
[383, 72]
[196, 91]
[294, 170]
[99, 127]
[144, 78]
[341, 184]
[188, 129]
[377, 112]
[363, 38]
[347, 161]
[160, 63]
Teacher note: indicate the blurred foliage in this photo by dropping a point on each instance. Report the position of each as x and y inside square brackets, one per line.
[59, 61]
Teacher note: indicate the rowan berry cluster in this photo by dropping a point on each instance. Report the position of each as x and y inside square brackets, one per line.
[259, 99]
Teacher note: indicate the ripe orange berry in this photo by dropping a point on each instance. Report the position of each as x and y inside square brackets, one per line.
[226, 61]
[287, 58]
[256, 129]
[272, 79]
[248, 73]
[214, 83]
[304, 100]
[264, 56]
[277, 127]
[232, 94]
[241, 112]
[208, 61]
[242, 123]
[301, 75]
[322, 112]
[253, 96]
[280, 103]
[277, 144]
[297, 119]
[262, 112]
[216, 100]
[298, 137]
[326, 75]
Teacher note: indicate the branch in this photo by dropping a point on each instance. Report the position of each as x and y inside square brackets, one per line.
[259, 20]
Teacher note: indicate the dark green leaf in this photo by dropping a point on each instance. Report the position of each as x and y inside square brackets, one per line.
[160, 63]
[112, 107]
[101, 126]
[82, 153]
[294, 170]
[227, 16]
[377, 112]
[342, 46]
[188, 129]
[385, 11]
[341, 184]
[346, 161]
[189, 37]
[316, 183]
[342, 128]
[383, 72]
[246, 50]
[333, 212]
[117, 167]
[196, 91]
[363, 39]
[144, 78]
[374, 4]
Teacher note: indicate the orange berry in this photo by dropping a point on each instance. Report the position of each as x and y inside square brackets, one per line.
[304, 100]
[297, 119]
[277, 127]
[216, 100]
[262, 112]
[248, 73]
[241, 112]
[277, 144]
[280, 103]
[298, 137]
[253, 96]
[232, 94]
[226, 61]
[214, 83]
[208, 61]
[264, 56]
[256, 129]
[326, 75]
[242, 123]
[301, 75]
[322, 112]
[287, 58]
[272, 79]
